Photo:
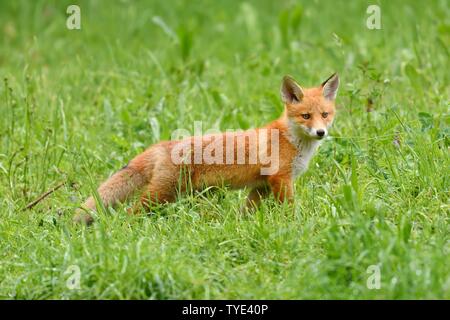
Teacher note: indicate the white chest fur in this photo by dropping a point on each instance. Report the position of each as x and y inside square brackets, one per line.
[306, 147]
[306, 150]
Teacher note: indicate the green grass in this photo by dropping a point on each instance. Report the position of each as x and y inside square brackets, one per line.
[77, 105]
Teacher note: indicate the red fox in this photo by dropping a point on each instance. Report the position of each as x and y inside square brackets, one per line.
[266, 160]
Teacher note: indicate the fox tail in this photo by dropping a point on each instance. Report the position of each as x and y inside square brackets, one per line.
[115, 190]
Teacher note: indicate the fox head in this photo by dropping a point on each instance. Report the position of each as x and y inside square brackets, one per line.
[310, 111]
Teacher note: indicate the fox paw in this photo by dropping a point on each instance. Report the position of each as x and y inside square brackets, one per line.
[82, 217]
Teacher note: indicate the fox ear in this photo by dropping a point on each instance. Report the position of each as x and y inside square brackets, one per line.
[330, 87]
[291, 92]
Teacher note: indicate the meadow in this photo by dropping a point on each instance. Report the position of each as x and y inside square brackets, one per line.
[77, 105]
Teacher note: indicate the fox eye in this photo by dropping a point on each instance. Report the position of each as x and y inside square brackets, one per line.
[306, 116]
[325, 114]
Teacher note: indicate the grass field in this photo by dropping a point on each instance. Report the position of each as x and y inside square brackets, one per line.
[76, 105]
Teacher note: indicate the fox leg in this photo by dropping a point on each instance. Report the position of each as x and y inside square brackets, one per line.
[153, 195]
[161, 189]
[282, 189]
[254, 198]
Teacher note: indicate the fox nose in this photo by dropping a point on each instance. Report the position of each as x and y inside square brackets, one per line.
[320, 132]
